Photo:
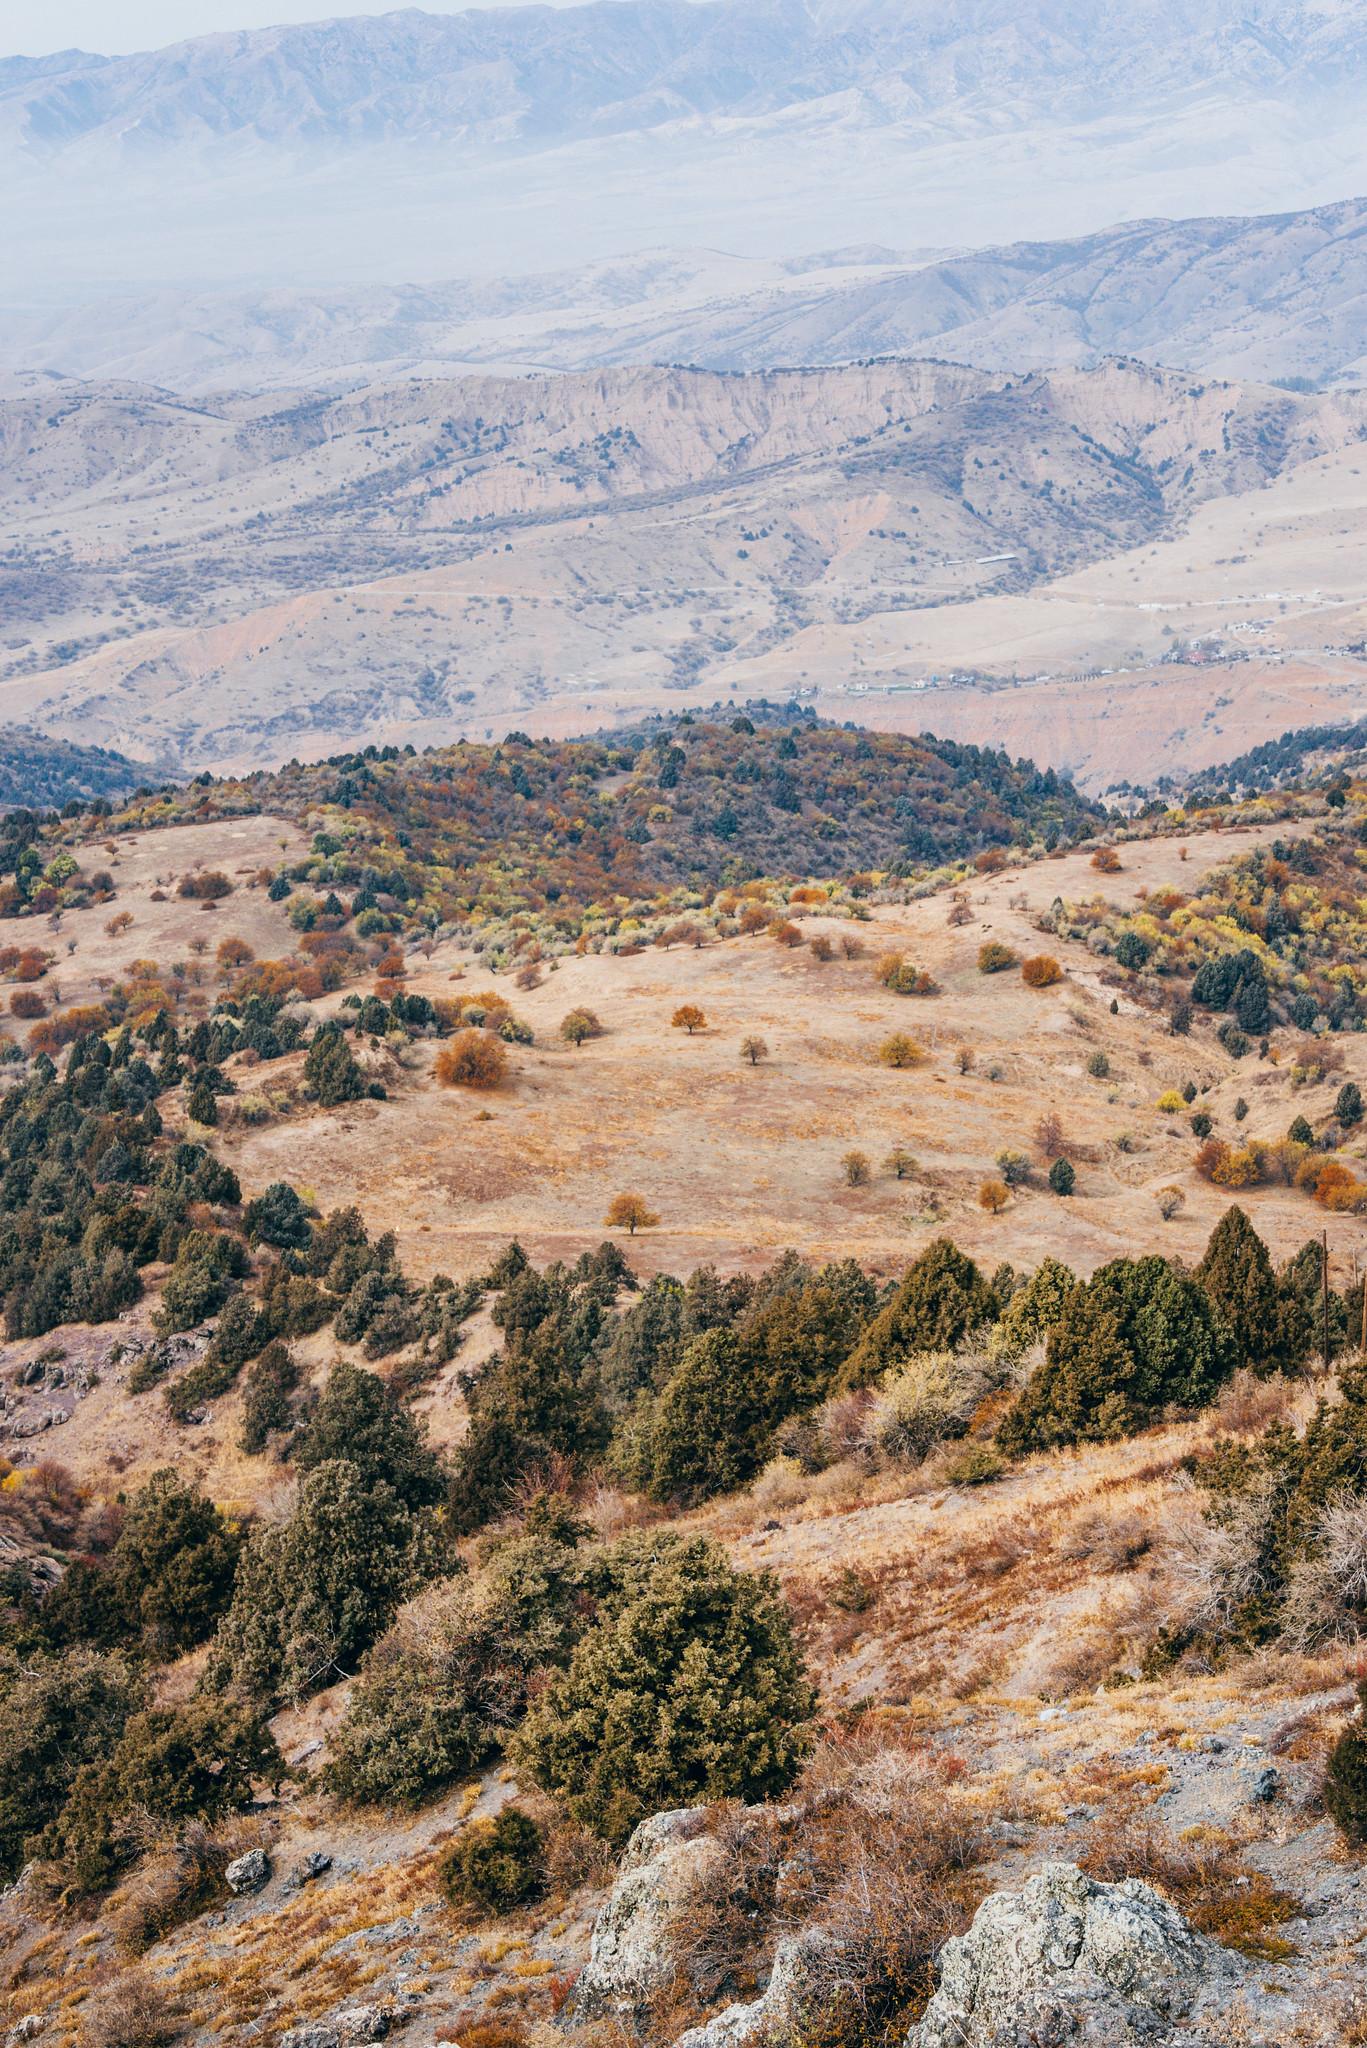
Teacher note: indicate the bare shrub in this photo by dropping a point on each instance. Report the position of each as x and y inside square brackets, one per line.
[1326, 1595]
[136, 2011]
[1113, 1539]
[179, 1880]
[881, 1844]
[1249, 1405]
[929, 1398]
[1220, 1567]
[1049, 1136]
[1203, 1873]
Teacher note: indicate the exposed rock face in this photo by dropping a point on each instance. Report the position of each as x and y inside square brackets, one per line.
[666, 1860]
[774, 2014]
[349, 2028]
[1067, 1959]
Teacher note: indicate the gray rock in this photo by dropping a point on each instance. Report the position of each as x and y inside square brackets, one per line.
[348, 2028]
[1068, 1959]
[1266, 1786]
[665, 1862]
[777, 2013]
[313, 1866]
[248, 1873]
[26, 2028]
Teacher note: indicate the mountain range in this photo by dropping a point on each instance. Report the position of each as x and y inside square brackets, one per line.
[425, 146]
[231, 580]
[1280, 297]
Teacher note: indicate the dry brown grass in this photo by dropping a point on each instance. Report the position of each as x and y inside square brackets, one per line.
[1204, 1873]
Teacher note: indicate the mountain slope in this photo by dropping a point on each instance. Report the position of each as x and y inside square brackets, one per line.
[538, 74]
[1279, 296]
[421, 146]
[232, 581]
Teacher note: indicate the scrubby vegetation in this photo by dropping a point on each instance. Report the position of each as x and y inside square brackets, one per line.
[1273, 939]
[563, 839]
[41, 772]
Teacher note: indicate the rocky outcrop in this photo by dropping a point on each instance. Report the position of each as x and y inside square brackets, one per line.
[666, 1861]
[776, 2013]
[635, 1952]
[349, 2028]
[1068, 1959]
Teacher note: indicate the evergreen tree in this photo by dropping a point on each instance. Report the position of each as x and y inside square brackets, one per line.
[315, 1591]
[942, 1299]
[1237, 1274]
[358, 1419]
[687, 1687]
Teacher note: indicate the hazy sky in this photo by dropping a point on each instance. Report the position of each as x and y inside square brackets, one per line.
[31, 28]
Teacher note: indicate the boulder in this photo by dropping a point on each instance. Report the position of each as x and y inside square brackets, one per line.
[773, 2016]
[1070, 1960]
[248, 1873]
[667, 1859]
[350, 2027]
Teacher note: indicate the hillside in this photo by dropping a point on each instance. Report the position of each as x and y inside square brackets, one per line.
[49, 773]
[228, 582]
[1270, 297]
[904, 1504]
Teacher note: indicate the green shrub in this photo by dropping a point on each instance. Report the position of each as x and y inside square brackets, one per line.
[1138, 1335]
[312, 1593]
[687, 1686]
[1345, 1777]
[57, 1716]
[1033, 1309]
[977, 1465]
[173, 1764]
[358, 1419]
[1062, 1177]
[206, 1264]
[278, 1217]
[330, 1070]
[266, 1404]
[173, 1564]
[495, 1865]
[1265, 1317]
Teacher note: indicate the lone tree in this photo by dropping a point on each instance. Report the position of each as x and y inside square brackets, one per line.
[630, 1213]
[577, 1025]
[1062, 1178]
[688, 1017]
[901, 1050]
[900, 1162]
[1348, 1103]
[472, 1059]
[855, 1167]
[993, 1197]
[754, 1050]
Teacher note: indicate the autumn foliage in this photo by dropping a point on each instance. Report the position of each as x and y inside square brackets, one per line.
[472, 1059]
[1041, 970]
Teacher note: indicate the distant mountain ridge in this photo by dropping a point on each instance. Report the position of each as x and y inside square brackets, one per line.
[236, 579]
[541, 73]
[1275, 297]
[409, 145]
